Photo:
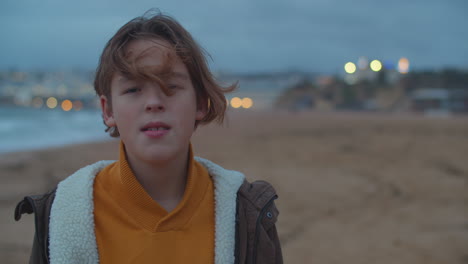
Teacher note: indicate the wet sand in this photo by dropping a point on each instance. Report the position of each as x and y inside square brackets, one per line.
[354, 188]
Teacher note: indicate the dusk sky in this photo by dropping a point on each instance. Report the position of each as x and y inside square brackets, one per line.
[245, 35]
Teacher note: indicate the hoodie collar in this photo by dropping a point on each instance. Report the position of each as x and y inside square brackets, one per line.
[71, 233]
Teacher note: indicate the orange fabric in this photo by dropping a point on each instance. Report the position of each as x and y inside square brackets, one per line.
[133, 228]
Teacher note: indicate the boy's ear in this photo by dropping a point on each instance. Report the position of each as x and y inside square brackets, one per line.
[107, 111]
[202, 108]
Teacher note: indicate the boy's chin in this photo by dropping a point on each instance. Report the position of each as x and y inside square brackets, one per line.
[159, 157]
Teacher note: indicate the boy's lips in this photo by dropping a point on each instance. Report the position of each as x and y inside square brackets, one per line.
[155, 129]
[156, 126]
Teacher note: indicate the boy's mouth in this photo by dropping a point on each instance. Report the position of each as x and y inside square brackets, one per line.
[155, 126]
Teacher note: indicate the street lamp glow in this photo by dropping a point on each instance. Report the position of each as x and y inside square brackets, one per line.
[51, 102]
[37, 102]
[403, 65]
[67, 105]
[236, 102]
[247, 103]
[376, 65]
[350, 67]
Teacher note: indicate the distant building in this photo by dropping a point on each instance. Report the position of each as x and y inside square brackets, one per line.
[440, 100]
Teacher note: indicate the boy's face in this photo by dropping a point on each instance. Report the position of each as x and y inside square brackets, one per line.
[154, 127]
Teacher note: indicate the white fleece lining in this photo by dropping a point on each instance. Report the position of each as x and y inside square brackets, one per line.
[226, 183]
[71, 227]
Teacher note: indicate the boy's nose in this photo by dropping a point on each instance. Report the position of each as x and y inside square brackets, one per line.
[154, 103]
[154, 108]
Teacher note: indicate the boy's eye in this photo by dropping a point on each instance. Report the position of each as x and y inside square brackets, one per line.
[173, 86]
[132, 90]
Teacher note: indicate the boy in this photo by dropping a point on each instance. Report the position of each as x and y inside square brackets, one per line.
[157, 203]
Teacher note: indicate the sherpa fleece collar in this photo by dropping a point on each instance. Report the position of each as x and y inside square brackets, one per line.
[71, 228]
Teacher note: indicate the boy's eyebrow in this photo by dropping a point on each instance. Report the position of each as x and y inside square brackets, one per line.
[123, 79]
[179, 75]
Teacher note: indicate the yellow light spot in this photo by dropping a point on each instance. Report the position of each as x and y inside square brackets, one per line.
[403, 66]
[77, 105]
[376, 65]
[51, 102]
[350, 67]
[236, 102]
[37, 102]
[247, 103]
[67, 105]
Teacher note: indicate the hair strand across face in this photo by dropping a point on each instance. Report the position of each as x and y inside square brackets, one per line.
[116, 60]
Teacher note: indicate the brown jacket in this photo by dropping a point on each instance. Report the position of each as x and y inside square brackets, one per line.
[256, 238]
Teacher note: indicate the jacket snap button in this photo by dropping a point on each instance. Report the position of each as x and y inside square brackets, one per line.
[269, 215]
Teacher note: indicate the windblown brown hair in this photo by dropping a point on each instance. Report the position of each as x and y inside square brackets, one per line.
[161, 27]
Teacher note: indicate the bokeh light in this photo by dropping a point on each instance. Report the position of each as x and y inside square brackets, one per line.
[350, 67]
[247, 103]
[67, 105]
[236, 102]
[376, 65]
[51, 102]
[403, 65]
[37, 102]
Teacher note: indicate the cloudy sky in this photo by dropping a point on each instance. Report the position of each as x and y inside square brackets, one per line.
[245, 35]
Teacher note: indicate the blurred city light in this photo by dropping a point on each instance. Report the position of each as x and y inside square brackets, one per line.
[236, 102]
[376, 65]
[67, 105]
[51, 102]
[350, 67]
[403, 65]
[37, 102]
[247, 103]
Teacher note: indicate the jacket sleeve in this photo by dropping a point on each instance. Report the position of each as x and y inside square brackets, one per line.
[37, 256]
[257, 240]
[269, 224]
[40, 205]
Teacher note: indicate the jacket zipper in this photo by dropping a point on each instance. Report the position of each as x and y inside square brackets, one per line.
[257, 233]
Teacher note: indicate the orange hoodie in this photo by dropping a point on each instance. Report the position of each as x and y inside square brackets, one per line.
[133, 228]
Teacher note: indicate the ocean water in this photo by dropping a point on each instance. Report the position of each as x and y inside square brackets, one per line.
[28, 128]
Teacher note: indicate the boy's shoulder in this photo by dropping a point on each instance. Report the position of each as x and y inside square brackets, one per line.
[257, 194]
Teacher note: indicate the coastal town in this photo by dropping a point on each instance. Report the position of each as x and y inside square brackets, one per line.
[363, 85]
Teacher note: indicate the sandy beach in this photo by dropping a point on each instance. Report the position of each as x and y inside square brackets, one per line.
[354, 188]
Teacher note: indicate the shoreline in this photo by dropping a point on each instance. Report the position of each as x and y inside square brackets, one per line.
[241, 113]
[56, 146]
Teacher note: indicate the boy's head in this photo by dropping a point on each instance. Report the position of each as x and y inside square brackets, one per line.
[177, 44]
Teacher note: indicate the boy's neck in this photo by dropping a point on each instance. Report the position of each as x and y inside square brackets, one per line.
[164, 183]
